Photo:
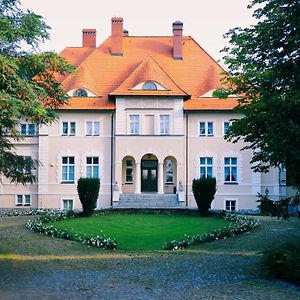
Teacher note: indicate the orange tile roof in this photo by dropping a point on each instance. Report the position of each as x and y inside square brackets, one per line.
[103, 73]
[210, 104]
[88, 103]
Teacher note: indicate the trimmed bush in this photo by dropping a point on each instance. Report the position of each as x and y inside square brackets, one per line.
[204, 190]
[269, 207]
[283, 262]
[88, 191]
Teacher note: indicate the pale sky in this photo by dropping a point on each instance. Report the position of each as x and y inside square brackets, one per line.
[205, 20]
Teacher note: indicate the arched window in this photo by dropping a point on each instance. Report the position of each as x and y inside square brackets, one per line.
[80, 93]
[149, 86]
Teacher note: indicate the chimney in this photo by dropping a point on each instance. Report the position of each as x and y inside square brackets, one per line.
[89, 38]
[177, 40]
[125, 32]
[117, 36]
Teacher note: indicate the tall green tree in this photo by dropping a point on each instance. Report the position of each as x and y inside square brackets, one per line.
[264, 69]
[28, 84]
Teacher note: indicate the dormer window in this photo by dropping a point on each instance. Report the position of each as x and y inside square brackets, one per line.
[80, 93]
[149, 86]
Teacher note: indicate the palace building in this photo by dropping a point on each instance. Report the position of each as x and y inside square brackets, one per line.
[141, 117]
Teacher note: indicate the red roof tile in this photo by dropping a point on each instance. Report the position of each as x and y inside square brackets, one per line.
[103, 73]
[210, 104]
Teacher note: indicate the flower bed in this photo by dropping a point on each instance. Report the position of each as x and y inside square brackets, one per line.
[40, 225]
[239, 224]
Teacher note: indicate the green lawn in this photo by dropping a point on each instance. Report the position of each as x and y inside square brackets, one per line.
[141, 231]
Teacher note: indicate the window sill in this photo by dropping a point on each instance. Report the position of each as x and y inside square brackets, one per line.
[67, 182]
[128, 182]
[169, 183]
[231, 183]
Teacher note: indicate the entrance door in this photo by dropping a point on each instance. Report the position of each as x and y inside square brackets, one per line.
[149, 176]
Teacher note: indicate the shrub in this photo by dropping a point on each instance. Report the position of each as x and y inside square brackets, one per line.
[269, 207]
[88, 191]
[283, 262]
[204, 190]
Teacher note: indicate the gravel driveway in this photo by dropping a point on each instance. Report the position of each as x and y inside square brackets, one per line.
[38, 267]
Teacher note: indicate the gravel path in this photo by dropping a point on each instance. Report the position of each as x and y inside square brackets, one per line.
[38, 267]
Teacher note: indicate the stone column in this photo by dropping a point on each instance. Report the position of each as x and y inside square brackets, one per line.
[160, 178]
[138, 178]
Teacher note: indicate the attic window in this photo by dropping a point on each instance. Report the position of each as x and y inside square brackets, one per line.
[80, 93]
[149, 86]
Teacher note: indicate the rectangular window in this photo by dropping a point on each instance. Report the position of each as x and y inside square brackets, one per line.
[202, 128]
[230, 169]
[206, 128]
[24, 200]
[26, 169]
[27, 200]
[31, 129]
[169, 171]
[129, 171]
[67, 204]
[226, 127]
[206, 164]
[72, 128]
[68, 128]
[19, 200]
[92, 128]
[92, 167]
[23, 129]
[68, 169]
[28, 129]
[164, 124]
[230, 205]
[134, 124]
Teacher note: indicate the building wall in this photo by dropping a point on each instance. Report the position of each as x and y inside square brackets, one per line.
[248, 184]
[50, 146]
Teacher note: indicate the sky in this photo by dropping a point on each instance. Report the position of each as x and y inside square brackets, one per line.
[205, 20]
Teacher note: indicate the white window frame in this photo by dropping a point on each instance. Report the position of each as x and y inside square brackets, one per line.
[231, 200]
[229, 124]
[23, 202]
[27, 131]
[94, 131]
[63, 203]
[164, 124]
[67, 165]
[230, 165]
[26, 170]
[68, 133]
[171, 174]
[206, 165]
[92, 165]
[134, 124]
[206, 128]
[129, 168]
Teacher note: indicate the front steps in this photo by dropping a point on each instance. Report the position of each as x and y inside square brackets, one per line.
[149, 200]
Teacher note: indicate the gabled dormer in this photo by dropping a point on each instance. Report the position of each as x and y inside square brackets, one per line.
[149, 79]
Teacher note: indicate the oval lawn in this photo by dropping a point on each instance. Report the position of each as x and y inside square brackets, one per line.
[141, 231]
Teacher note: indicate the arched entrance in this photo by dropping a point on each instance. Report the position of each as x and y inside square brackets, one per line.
[149, 165]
